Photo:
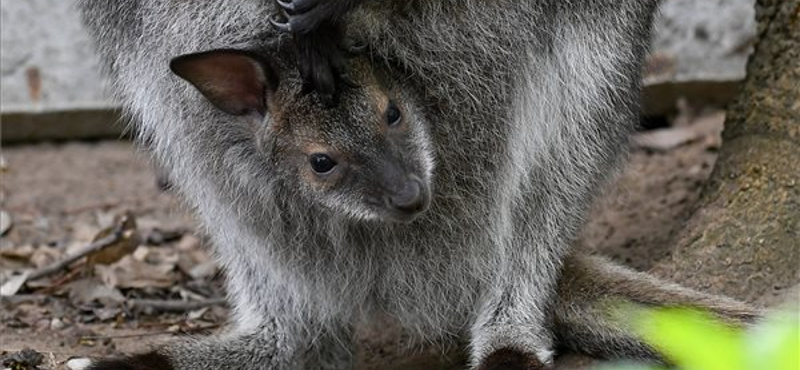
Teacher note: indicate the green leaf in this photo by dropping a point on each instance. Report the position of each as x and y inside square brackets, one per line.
[775, 343]
[691, 339]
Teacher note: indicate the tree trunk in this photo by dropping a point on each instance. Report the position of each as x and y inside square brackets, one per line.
[747, 224]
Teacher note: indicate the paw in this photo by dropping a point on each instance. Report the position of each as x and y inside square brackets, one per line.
[304, 16]
[146, 361]
[511, 359]
[322, 61]
[321, 50]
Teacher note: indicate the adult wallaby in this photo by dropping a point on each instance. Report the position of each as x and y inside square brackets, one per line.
[443, 189]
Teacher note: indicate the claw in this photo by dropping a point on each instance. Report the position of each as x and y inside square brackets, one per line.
[303, 5]
[281, 26]
[288, 5]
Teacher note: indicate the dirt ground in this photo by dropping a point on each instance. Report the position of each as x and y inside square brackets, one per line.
[60, 196]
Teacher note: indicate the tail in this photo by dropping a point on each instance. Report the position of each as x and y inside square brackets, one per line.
[583, 323]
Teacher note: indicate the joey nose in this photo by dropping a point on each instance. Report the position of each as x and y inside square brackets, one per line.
[412, 198]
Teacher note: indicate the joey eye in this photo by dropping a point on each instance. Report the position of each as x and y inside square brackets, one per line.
[321, 163]
[393, 115]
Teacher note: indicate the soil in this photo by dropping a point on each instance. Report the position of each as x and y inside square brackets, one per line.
[61, 195]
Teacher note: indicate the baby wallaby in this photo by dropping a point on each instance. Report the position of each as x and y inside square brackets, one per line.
[367, 157]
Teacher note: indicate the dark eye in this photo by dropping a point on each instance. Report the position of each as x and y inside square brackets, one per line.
[393, 115]
[321, 163]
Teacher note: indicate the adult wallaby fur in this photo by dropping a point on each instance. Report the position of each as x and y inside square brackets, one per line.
[443, 190]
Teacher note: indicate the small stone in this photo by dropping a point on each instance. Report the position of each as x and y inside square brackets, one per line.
[141, 253]
[57, 324]
[78, 363]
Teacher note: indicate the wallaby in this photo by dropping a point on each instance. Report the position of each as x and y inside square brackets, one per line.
[443, 188]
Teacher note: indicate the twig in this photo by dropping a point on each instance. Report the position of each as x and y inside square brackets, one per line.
[154, 333]
[176, 306]
[119, 336]
[55, 285]
[97, 245]
[24, 298]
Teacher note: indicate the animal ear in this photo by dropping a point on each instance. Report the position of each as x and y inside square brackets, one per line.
[235, 81]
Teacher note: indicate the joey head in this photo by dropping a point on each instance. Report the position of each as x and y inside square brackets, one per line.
[367, 156]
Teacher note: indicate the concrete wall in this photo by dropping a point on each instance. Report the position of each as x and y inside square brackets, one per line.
[48, 67]
[50, 86]
[700, 50]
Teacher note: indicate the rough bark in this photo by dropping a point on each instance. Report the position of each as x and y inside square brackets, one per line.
[744, 238]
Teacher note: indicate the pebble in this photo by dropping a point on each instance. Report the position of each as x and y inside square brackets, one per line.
[57, 324]
[78, 363]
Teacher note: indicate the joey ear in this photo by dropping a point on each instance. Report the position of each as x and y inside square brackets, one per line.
[235, 81]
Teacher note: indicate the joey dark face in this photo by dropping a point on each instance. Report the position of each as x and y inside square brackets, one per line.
[367, 157]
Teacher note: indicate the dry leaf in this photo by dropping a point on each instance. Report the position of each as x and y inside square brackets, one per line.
[141, 253]
[196, 314]
[21, 253]
[197, 263]
[203, 270]
[123, 247]
[5, 222]
[130, 273]
[12, 285]
[188, 242]
[158, 236]
[88, 290]
[44, 256]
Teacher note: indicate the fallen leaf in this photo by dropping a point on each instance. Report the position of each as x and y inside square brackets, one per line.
[44, 256]
[203, 270]
[707, 125]
[89, 290]
[21, 253]
[188, 242]
[130, 273]
[158, 236]
[123, 247]
[663, 140]
[196, 314]
[5, 222]
[12, 285]
[141, 253]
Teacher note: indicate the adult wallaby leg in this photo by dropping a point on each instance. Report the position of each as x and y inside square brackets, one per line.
[511, 331]
[266, 348]
[590, 287]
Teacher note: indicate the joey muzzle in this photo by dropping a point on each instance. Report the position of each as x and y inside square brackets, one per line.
[409, 200]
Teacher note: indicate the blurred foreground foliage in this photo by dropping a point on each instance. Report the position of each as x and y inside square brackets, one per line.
[695, 340]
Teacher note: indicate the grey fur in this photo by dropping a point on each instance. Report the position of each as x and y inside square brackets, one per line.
[519, 112]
